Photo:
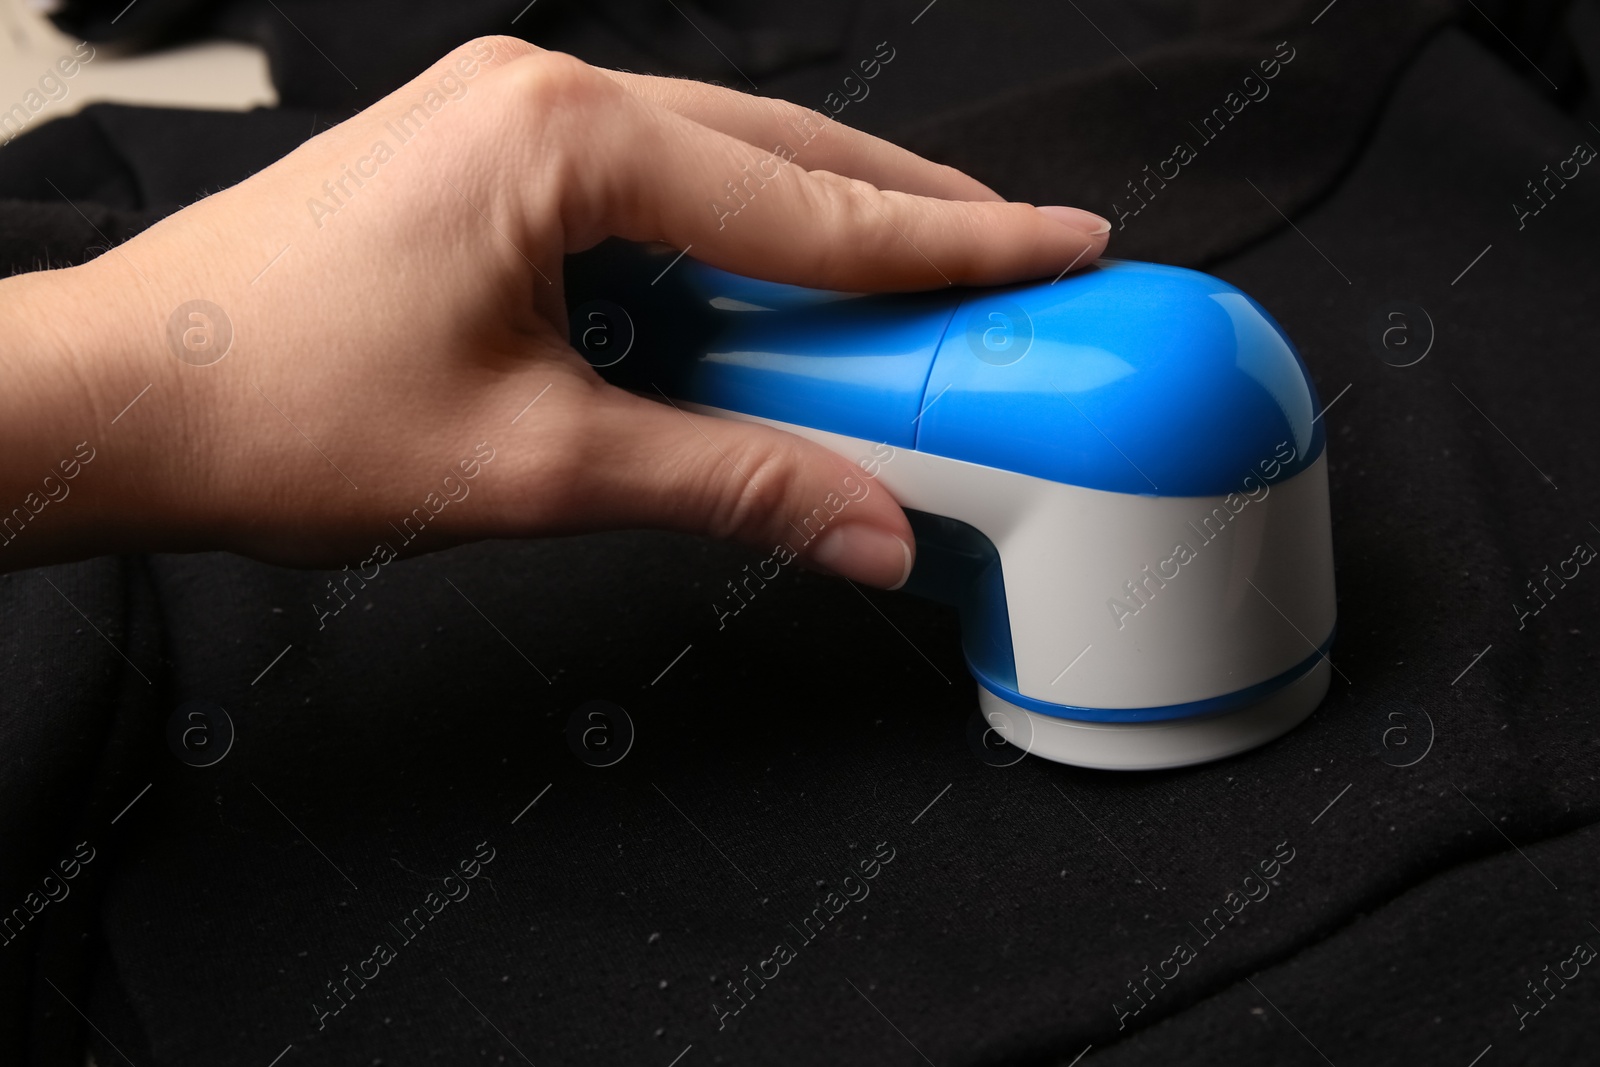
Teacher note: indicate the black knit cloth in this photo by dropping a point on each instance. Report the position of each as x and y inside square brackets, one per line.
[408, 855]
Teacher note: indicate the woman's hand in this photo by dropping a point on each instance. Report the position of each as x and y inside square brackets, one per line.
[389, 295]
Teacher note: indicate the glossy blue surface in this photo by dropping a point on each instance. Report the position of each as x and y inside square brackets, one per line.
[846, 363]
[1127, 377]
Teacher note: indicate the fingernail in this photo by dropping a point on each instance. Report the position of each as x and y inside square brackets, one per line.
[866, 554]
[1086, 222]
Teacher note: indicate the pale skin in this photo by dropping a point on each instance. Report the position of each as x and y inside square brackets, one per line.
[417, 320]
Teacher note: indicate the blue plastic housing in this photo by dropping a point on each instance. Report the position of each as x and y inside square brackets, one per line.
[1126, 377]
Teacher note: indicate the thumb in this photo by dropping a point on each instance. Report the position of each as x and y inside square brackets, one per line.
[669, 467]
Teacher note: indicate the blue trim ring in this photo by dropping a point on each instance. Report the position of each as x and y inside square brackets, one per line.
[1193, 710]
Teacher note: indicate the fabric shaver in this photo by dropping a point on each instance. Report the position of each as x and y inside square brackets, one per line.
[1119, 478]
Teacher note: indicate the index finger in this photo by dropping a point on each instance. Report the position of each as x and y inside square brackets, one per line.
[814, 140]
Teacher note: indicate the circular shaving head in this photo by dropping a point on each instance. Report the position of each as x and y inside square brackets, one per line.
[1147, 746]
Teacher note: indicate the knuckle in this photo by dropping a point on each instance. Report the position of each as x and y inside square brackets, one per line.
[555, 82]
[864, 214]
[761, 497]
[495, 50]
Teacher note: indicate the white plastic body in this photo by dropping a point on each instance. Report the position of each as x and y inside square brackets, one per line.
[1104, 616]
[1150, 746]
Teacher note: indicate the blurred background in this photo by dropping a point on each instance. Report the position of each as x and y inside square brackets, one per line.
[219, 74]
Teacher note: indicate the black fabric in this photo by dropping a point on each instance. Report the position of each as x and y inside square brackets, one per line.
[1410, 905]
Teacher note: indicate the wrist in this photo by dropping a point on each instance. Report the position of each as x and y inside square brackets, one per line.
[82, 475]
